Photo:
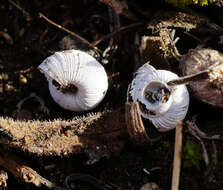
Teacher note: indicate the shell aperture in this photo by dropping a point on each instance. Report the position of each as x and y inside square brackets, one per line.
[77, 81]
[163, 105]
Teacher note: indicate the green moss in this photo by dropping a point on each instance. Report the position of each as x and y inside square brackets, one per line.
[183, 3]
[163, 148]
[166, 145]
[191, 155]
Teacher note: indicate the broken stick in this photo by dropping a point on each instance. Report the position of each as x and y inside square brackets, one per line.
[22, 172]
[177, 157]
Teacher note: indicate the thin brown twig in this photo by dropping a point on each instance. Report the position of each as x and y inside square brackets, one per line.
[24, 12]
[193, 77]
[177, 157]
[189, 78]
[192, 127]
[193, 36]
[41, 15]
[122, 29]
[43, 34]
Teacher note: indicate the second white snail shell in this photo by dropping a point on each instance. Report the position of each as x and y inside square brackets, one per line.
[162, 104]
[77, 81]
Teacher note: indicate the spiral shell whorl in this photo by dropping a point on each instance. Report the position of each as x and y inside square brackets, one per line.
[75, 69]
[168, 104]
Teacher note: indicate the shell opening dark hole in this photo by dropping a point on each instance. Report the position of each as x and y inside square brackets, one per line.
[157, 92]
[145, 110]
[69, 88]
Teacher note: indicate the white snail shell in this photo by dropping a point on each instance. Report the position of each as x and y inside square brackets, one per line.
[207, 90]
[77, 81]
[162, 104]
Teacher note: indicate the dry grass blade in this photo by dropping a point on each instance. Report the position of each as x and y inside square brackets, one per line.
[177, 157]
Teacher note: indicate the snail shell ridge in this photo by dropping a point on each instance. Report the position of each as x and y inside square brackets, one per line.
[77, 81]
[163, 105]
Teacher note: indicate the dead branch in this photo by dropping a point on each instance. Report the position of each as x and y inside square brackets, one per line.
[22, 172]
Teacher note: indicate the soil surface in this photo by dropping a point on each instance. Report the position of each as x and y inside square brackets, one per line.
[26, 40]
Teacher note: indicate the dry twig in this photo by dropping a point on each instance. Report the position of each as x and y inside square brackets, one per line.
[193, 129]
[69, 32]
[193, 77]
[177, 157]
[24, 12]
[121, 29]
[193, 37]
[22, 172]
